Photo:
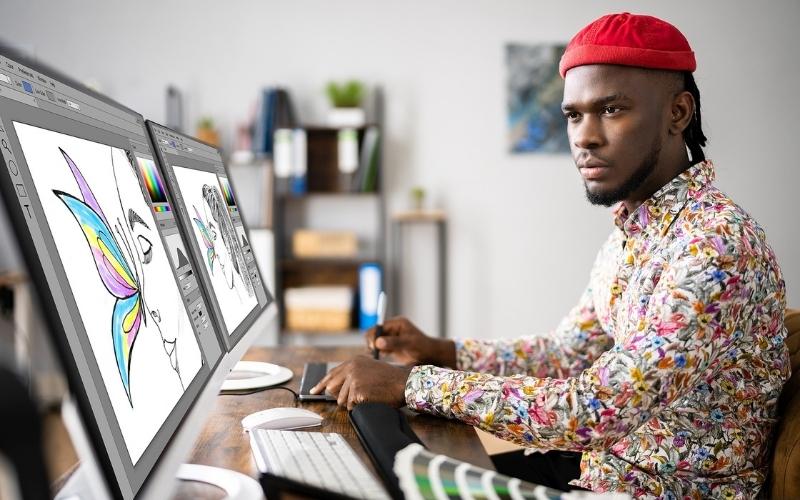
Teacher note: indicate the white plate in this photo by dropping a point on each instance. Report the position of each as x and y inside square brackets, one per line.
[262, 375]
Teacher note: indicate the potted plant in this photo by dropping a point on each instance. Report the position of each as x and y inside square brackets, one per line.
[418, 198]
[206, 131]
[345, 100]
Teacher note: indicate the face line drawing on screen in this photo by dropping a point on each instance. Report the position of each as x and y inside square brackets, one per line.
[114, 269]
[218, 244]
[119, 276]
[213, 203]
[209, 235]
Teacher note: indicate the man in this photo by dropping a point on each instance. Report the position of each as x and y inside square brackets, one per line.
[666, 374]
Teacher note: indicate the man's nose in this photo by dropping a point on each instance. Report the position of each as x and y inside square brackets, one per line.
[588, 134]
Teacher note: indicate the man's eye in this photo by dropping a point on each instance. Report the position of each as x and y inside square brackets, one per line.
[147, 248]
[610, 110]
[571, 115]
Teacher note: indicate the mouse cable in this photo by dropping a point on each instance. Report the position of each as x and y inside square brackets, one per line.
[261, 389]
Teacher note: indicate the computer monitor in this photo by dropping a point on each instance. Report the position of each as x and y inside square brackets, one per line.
[124, 309]
[199, 181]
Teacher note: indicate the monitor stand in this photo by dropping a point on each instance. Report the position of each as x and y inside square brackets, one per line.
[252, 375]
[236, 485]
[86, 481]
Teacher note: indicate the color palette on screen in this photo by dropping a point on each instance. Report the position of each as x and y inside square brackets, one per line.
[226, 191]
[152, 180]
[161, 208]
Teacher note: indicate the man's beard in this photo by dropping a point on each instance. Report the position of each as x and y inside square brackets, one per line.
[633, 182]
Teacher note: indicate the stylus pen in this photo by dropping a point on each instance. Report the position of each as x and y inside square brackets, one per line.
[379, 326]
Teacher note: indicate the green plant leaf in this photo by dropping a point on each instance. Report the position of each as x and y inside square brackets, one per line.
[346, 95]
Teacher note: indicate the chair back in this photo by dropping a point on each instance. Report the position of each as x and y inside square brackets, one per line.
[784, 479]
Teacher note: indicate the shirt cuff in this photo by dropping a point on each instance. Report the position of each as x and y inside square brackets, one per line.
[428, 389]
[463, 355]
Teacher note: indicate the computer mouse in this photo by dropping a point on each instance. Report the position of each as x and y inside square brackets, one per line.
[281, 418]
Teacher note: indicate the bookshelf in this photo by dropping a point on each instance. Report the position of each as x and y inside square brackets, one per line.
[332, 202]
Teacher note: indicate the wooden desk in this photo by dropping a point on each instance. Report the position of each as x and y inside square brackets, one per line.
[223, 443]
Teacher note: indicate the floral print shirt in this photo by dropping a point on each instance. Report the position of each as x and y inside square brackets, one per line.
[665, 375]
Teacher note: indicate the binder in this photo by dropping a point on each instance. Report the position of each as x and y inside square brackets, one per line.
[347, 149]
[370, 284]
[299, 160]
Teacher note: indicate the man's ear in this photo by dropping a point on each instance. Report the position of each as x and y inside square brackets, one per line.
[681, 112]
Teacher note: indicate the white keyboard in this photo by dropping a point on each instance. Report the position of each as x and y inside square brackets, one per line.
[323, 460]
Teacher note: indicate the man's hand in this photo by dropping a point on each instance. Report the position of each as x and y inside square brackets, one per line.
[408, 345]
[364, 379]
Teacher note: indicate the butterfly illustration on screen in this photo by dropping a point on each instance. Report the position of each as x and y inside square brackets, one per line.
[208, 235]
[114, 259]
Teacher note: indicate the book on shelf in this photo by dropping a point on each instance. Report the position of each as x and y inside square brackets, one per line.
[269, 121]
[366, 177]
[275, 111]
[284, 110]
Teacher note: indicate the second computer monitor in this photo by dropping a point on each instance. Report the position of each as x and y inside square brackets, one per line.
[196, 176]
[132, 334]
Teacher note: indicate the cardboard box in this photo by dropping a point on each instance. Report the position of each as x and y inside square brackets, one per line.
[307, 243]
[317, 320]
[318, 308]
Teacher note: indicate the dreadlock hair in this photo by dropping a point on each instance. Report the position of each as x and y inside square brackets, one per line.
[693, 135]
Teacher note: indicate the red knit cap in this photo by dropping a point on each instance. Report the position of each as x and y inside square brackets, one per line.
[629, 40]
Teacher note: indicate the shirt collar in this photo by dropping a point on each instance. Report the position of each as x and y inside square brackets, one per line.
[658, 211]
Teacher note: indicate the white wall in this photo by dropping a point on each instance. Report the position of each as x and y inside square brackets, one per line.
[522, 236]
